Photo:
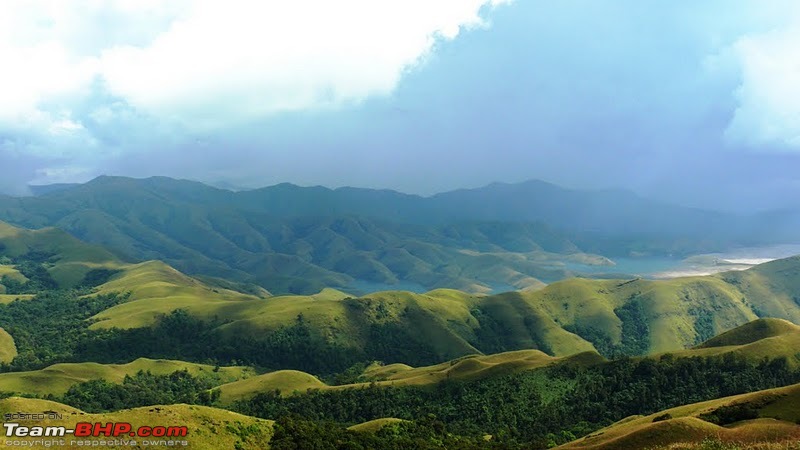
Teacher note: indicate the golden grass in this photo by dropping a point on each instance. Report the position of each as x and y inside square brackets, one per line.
[8, 298]
[11, 272]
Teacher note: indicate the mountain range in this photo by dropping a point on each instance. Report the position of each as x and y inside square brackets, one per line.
[287, 238]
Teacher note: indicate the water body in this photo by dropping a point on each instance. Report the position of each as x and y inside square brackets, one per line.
[627, 267]
[651, 267]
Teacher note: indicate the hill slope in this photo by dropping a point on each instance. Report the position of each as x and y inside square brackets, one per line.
[758, 340]
[468, 368]
[208, 428]
[58, 378]
[633, 317]
[613, 316]
[759, 417]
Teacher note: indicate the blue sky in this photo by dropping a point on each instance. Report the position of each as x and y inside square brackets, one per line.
[693, 102]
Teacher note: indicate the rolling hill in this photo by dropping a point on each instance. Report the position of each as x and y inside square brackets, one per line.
[755, 341]
[762, 417]
[208, 428]
[633, 316]
[58, 378]
[469, 368]
[292, 239]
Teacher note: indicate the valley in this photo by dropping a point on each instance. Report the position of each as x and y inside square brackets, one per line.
[92, 331]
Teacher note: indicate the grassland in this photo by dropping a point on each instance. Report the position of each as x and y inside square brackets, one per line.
[474, 367]
[374, 425]
[773, 338]
[11, 272]
[8, 350]
[58, 378]
[563, 318]
[208, 428]
[156, 288]
[571, 316]
[777, 421]
[762, 338]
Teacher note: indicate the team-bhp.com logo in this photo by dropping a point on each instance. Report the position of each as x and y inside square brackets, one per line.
[86, 429]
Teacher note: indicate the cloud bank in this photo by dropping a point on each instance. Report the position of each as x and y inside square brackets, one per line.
[414, 95]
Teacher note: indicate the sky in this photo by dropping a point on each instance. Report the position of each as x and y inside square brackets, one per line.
[696, 103]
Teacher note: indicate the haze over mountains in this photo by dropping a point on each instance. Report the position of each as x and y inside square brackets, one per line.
[287, 238]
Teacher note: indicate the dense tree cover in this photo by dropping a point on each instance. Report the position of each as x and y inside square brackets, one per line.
[294, 432]
[49, 328]
[178, 335]
[96, 277]
[635, 333]
[543, 407]
[142, 389]
[32, 266]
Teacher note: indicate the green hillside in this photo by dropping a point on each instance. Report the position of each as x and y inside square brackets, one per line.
[375, 425]
[58, 378]
[614, 317]
[470, 368]
[208, 428]
[754, 341]
[633, 317]
[8, 350]
[770, 416]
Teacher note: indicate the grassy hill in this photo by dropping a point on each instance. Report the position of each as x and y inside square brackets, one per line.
[208, 428]
[474, 367]
[68, 259]
[58, 378]
[756, 340]
[632, 317]
[755, 418]
[374, 425]
[8, 350]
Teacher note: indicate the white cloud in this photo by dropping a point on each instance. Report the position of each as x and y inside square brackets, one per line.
[244, 59]
[208, 63]
[768, 112]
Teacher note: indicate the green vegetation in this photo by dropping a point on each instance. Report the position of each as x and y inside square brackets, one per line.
[142, 389]
[766, 420]
[51, 327]
[293, 432]
[208, 428]
[58, 378]
[288, 239]
[521, 369]
[8, 349]
[523, 409]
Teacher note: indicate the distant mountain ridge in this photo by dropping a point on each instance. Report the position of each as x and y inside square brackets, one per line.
[616, 211]
[300, 239]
